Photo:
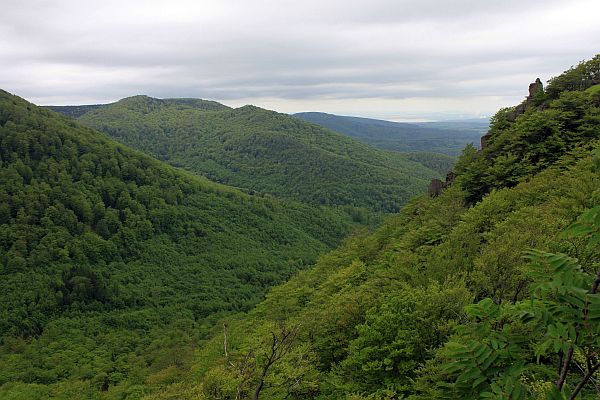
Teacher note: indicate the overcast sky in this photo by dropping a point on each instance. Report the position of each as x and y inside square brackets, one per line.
[397, 59]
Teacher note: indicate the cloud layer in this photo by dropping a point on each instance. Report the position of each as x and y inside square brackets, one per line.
[393, 59]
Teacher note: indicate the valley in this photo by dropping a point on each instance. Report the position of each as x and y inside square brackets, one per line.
[179, 248]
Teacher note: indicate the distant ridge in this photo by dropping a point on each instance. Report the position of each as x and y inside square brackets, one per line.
[74, 111]
[448, 137]
[141, 101]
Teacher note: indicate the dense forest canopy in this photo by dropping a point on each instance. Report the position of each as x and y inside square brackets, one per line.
[441, 302]
[488, 290]
[266, 152]
[113, 262]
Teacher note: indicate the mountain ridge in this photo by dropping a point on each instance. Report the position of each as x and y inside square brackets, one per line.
[445, 299]
[115, 263]
[400, 136]
[264, 151]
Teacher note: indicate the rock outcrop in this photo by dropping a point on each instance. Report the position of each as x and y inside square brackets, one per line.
[485, 139]
[436, 186]
[535, 88]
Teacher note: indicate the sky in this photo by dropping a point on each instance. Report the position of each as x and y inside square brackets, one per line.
[398, 60]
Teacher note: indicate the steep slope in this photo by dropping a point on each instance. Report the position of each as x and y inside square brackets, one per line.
[113, 262]
[442, 163]
[446, 138]
[264, 151]
[372, 320]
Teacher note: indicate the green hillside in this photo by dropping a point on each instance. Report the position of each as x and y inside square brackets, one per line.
[74, 111]
[435, 137]
[114, 264]
[442, 163]
[120, 274]
[263, 151]
[441, 302]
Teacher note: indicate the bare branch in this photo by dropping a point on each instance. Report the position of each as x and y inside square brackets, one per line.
[225, 346]
[565, 369]
[281, 344]
[596, 283]
[585, 379]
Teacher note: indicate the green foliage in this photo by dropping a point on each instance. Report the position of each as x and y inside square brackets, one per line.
[376, 313]
[380, 317]
[538, 138]
[440, 163]
[494, 356]
[397, 337]
[263, 151]
[114, 264]
[580, 77]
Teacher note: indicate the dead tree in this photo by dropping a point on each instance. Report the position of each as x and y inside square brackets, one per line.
[281, 343]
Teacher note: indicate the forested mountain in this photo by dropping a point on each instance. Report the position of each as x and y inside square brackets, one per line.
[477, 126]
[489, 289]
[264, 151]
[446, 300]
[114, 264]
[442, 163]
[434, 137]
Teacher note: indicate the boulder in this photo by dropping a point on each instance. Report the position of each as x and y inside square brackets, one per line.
[435, 188]
[485, 139]
[535, 88]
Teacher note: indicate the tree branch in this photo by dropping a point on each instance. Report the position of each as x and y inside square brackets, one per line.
[582, 383]
[225, 339]
[280, 345]
[560, 361]
[225, 345]
[565, 369]
[596, 283]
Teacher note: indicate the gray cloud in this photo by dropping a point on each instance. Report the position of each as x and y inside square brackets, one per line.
[382, 58]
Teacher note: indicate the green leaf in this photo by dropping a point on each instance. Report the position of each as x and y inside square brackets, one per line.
[489, 361]
[469, 375]
[495, 388]
[479, 381]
